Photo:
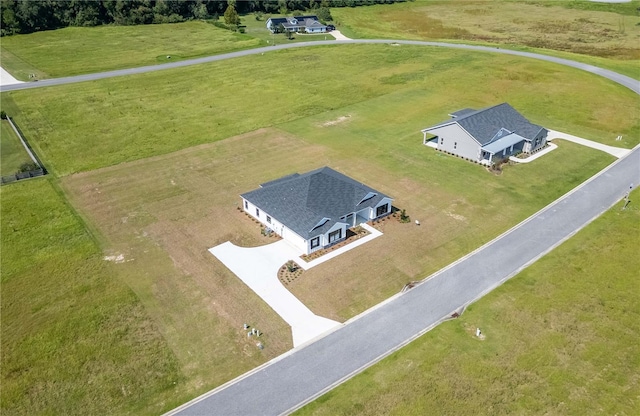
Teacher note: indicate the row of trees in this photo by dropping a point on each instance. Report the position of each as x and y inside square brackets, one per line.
[26, 16]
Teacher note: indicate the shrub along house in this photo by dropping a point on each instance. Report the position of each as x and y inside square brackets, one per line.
[314, 210]
[487, 136]
[308, 24]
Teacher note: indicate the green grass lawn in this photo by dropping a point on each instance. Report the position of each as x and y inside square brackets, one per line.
[79, 50]
[604, 35]
[75, 340]
[12, 153]
[561, 338]
[128, 118]
[389, 94]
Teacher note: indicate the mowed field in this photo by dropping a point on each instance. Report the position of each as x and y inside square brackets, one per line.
[75, 340]
[128, 118]
[606, 35]
[561, 337]
[154, 165]
[12, 153]
[78, 50]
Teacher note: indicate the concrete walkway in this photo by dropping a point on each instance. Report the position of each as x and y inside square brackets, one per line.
[615, 151]
[373, 234]
[258, 268]
[7, 79]
[550, 148]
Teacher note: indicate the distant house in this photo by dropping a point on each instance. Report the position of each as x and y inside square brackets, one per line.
[486, 136]
[314, 210]
[307, 24]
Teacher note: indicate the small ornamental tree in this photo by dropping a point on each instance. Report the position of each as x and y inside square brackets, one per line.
[231, 16]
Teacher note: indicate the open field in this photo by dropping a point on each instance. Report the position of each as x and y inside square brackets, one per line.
[177, 196]
[561, 338]
[74, 339]
[606, 31]
[81, 50]
[12, 153]
[128, 118]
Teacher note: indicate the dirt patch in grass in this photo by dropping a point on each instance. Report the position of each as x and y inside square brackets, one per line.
[338, 120]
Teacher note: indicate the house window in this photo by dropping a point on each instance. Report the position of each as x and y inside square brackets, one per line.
[246, 205]
[382, 209]
[269, 219]
[315, 242]
[455, 145]
[257, 212]
[335, 236]
[441, 140]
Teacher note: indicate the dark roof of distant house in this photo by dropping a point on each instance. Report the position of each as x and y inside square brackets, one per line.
[301, 19]
[302, 201]
[484, 124]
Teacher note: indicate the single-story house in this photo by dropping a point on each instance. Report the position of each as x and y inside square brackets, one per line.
[488, 135]
[314, 210]
[308, 24]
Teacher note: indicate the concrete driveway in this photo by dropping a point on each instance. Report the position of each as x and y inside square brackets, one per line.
[338, 35]
[258, 268]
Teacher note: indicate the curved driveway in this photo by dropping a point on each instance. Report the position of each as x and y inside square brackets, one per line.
[298, 377]
[624, 80]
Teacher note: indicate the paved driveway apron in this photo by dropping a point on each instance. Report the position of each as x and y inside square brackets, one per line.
[258, 268]
[308, 372]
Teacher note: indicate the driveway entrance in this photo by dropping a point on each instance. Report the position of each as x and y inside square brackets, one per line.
[258, 268]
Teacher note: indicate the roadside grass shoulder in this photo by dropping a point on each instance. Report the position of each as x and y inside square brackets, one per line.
[80, 50]
[575, 30]
[12, 153]
[560, 337]
[74, 339]
[128, 118]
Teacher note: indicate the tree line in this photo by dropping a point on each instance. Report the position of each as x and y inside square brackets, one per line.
[27, 16]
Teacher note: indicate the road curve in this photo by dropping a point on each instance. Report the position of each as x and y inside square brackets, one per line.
[624, 80]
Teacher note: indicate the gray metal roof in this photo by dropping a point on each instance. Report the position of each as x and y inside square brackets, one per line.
[499, 145]
[484, 124]
[462, 112]
[301, 202]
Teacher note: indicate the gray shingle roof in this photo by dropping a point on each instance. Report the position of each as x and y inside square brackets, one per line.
[484, 124]
[300, 202]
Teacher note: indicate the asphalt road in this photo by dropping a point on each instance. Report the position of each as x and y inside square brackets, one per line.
[303, 375]
[618, 78]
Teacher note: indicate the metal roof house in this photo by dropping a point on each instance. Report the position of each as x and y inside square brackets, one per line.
[308, 24]
[488, 135]
[313, 210]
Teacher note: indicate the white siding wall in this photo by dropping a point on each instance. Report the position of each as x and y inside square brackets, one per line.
[276, 226]
[453, 139]
[385, 201]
